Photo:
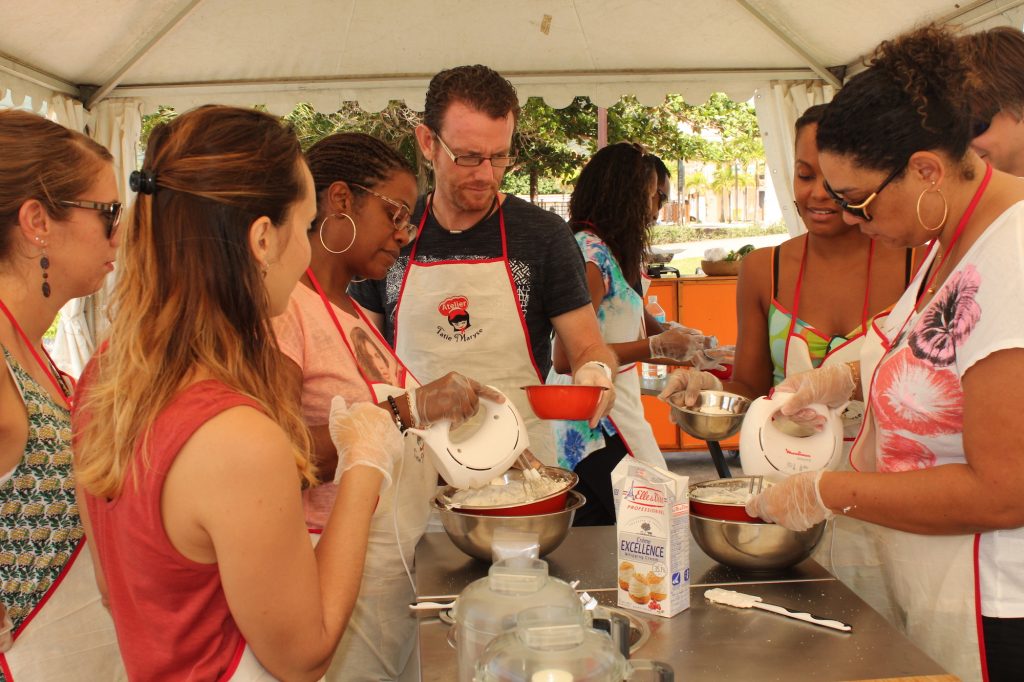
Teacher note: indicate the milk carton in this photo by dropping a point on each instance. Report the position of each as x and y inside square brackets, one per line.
[653, 538]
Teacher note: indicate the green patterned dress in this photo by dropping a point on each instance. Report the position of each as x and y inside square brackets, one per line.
[39, 524]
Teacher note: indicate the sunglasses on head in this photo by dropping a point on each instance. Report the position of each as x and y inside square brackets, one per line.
[860, 210]
[111, 212]
[980, 126]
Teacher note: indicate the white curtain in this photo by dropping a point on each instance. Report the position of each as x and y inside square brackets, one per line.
[779, 105]
[117, 125]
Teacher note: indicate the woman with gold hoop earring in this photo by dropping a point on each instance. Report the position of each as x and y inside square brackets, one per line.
[323, 334]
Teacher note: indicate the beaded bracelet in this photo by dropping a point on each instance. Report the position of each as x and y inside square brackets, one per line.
[398, 415]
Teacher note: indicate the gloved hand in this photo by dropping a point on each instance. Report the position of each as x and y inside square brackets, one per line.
[594, 374]
[677, 343]
[690, 382]
[453, 397]
[364, 435]
[714, 358]
[795, 503]
[831, 385]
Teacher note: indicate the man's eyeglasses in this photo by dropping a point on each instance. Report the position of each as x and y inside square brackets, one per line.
[861, 210]
[111, 212]
[400, 218]
[473, 160]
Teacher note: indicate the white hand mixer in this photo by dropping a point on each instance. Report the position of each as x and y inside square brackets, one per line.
[770, 446]
[487, 453]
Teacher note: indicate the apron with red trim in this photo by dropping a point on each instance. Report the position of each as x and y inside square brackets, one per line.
[381, 632]
[61, 631]
[932, 579]
[465, 316]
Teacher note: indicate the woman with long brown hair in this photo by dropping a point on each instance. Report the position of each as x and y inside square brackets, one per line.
[190, 454]
[59, 218]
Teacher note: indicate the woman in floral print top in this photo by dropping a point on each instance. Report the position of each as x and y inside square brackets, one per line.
[941, 454]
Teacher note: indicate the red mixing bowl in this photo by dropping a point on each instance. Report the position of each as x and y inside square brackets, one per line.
[721, 510]
[550, 503]
[723, 374]
[564, 402]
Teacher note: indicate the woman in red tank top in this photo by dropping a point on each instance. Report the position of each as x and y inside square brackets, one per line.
[190, 457]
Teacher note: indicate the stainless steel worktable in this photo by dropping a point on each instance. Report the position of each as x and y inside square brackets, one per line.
[707, 641]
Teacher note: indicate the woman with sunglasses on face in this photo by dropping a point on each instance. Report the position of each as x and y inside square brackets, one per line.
[59, 214]
[364, 193]
[189, 454]
[940, 458]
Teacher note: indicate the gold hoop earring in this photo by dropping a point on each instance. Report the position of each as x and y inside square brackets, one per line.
[324, 222]
[945, 209]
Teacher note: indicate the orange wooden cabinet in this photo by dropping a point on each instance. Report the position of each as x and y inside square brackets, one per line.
[705, 303]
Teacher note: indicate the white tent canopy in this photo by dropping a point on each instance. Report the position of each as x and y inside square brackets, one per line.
[279, 52]
[97, 65]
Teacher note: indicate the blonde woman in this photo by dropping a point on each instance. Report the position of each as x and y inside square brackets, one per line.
[190, 455]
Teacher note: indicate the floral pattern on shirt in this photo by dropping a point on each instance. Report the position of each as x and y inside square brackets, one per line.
[949, 319]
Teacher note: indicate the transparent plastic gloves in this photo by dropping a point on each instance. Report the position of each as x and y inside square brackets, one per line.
[677, 343]
[453, 397]
[364, 435]
[596, 374]
[831, 385]
[794, 503]
[690, 382]
[714, 358]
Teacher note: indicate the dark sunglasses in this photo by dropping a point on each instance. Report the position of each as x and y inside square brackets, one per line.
[980, 126]
[861, 210]
[111, 212]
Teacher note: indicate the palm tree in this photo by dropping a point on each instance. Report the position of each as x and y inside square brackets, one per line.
[696, 185]
[722, 183]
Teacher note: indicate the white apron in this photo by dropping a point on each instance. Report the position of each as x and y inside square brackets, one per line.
[69, 636]
[464, 316]
[848, 549]
[381, 632]
[933, 579]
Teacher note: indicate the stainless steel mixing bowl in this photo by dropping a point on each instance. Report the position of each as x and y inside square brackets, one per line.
[757, 547]
[473, 534]
[706, 426]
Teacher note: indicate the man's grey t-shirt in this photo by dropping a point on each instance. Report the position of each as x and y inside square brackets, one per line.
[545, 261]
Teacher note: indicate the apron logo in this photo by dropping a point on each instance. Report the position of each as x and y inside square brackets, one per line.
[455, 308]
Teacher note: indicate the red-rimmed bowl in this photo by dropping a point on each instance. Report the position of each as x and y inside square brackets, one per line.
[550, 503]
[724, 374]
[555, 401]
[723, 499]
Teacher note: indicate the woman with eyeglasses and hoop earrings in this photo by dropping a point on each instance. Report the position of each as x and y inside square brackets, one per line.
[364, 192]
[59, 216]
[940, 457]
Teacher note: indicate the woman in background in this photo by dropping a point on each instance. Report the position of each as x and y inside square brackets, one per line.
[59, 220]
[611, 210]
[190, 455]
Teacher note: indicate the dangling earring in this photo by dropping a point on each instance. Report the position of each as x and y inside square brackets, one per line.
[797, 208]
[945, 209]
[338, 215]
[264, 269]
[44, 263]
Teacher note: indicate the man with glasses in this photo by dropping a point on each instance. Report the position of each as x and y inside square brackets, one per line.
[506, 271]
[997, 58]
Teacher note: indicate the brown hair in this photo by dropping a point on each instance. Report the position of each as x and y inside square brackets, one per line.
[612, 199]
[189, 294]
[996, 57]
[45, 161]
[478, 86]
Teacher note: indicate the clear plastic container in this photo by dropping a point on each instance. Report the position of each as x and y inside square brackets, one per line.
[488, 607]
[554, 644]
[649, 370]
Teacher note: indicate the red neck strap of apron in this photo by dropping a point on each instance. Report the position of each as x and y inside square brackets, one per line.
[337, 324]
[799, 287]
[426, 212]
[58, 383]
